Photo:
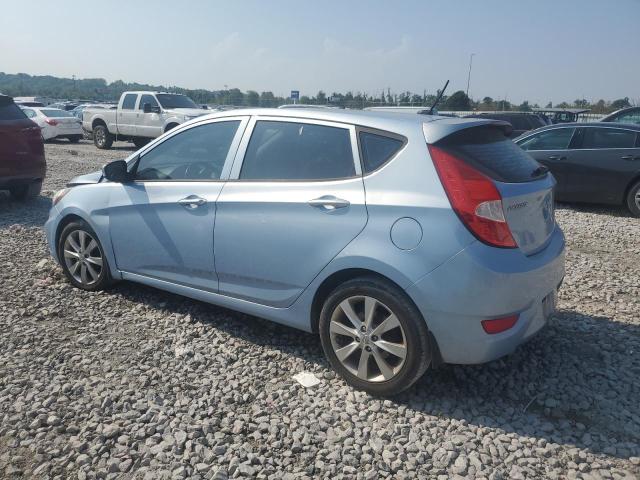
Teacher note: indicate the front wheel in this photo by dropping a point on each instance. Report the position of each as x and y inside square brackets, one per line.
[82, 257]
[140, 142]
[102, 138]
[374, 336]
[633, 200]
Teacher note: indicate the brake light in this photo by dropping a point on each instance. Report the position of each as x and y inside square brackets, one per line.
[51, 121]
[474, 197]
[498, 325]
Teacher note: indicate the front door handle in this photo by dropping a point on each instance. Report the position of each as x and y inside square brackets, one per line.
[328, 203]
[192, 201]
[555, 157]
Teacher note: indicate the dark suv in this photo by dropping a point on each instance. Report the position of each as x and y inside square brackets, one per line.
[22, 163]
[521, 122]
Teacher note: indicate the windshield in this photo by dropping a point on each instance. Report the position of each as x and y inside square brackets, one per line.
[168, 100]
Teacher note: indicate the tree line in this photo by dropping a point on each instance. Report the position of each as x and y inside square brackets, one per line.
[97, 89]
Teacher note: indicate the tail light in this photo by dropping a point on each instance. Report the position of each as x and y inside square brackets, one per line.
[498, 325]
[51, 121]
[474, 197]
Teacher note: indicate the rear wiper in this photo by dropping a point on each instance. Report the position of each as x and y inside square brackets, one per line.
[540, 171]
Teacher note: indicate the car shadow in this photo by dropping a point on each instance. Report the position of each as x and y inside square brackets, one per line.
[574, 384]
[29, 213]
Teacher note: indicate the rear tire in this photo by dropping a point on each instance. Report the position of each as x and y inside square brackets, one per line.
[26, 192]
[140, 142]
[75, 138]
[82, 257]
[633, 200]
[384, 354]
[102, 138]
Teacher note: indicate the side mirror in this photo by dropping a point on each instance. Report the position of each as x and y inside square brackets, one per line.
[146, 108]
[155, 109]
[116, 171]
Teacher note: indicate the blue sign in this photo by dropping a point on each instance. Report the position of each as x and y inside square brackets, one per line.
[295, 94]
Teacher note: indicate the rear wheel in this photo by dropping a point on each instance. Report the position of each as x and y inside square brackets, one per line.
[82, 257]
[140, 142]
[26, 192]
[374, 336]
[102, 138]
[74, 138]
[633, 199]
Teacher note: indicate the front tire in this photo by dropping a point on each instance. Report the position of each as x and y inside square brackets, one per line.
[633, 200]
[140, 142]
[102, 138]
[374, 336]
[82, 257]
[26, 192]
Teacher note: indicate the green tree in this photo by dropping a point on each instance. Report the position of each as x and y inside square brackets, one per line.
[524, 106]
[253, 98]
[458, 101]
[620, 103]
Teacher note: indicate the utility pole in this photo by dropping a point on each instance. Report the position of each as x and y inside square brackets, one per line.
[469, 76]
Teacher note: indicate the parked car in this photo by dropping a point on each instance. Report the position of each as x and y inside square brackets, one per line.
[22, 162]
[55, 123]
[592, 162]
[139, 117]
[404, 240]
[521, 122]
[66, 106]
[625, 115]
[77, 112]
[560, 115]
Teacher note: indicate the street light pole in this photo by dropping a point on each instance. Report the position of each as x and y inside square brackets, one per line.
[469, 76]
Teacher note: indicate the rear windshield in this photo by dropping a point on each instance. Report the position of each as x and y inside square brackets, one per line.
[9, 110]
[487, 149]
[52, 113]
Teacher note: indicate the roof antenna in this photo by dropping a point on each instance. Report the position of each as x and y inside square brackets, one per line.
[438, 98]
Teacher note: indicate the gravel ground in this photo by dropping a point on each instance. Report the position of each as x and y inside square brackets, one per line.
[138, 383]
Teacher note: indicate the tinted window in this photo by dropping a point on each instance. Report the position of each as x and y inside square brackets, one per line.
[377, 149]
[556, 139]
[490, 151]
[195, 154]
[9, 110]
[168, 100]
[630, 117]
[53, 113]
[129, 102]
[608, 138]
[147, 99]
[297, 151]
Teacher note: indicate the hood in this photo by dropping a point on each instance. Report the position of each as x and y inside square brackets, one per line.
[89, 178]
[191, 112]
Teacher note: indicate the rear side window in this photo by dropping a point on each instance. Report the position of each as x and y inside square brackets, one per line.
[608, 138]
[556, 139]
[297, 151]
[9, 110]
[129, 102]
[488, 150]
[377, 150]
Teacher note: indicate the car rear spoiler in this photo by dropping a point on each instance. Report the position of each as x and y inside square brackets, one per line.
[439, 128]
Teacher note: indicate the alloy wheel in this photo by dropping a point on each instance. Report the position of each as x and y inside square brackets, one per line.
[368, 339]
[83, 257]
[100, 136]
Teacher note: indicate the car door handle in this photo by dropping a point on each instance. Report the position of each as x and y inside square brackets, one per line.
[555, 157]
[192, 201]
[328, 203]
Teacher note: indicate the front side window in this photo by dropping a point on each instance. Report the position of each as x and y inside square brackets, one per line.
[170, 100]
[556, 139]
[198, 153]
[377, 150]
[129, 102]
[297, 151]
[608, 138]
[147, 99]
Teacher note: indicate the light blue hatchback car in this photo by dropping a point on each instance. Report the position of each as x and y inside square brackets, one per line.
[403, 240]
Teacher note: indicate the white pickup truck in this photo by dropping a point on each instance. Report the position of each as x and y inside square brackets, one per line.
[139, 117]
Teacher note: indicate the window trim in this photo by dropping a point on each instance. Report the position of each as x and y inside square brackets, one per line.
[226, 169]
[380, 133]
[238, 161]
[585, 127]
[575, 130]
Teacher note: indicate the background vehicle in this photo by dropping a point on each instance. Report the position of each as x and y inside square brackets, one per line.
[592, 162]
[521, 122]
[139, 117]
[22, 163]
[55, 123]
[561, 115]
[357, 225]
[66, 106]
[625, 115]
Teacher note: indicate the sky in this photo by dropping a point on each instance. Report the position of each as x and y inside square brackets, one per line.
[541, 51]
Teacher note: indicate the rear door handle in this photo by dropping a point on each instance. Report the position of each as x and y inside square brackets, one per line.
[192, 201]
[328, 203]
[555, 157]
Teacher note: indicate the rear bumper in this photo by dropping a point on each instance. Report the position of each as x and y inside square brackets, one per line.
[483, 282]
